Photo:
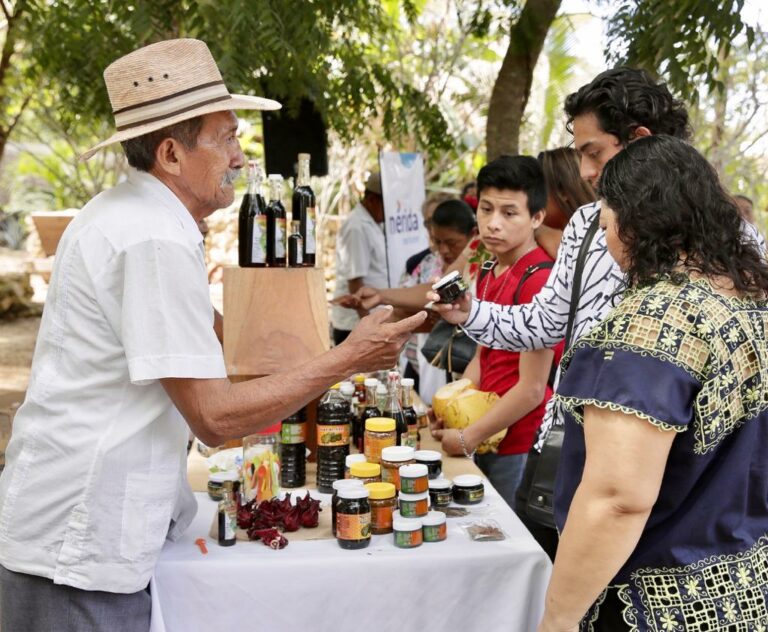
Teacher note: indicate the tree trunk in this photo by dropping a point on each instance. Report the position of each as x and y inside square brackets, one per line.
[513, 85]
[6, 54]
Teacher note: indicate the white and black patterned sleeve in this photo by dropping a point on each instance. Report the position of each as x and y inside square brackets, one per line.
[541, 323]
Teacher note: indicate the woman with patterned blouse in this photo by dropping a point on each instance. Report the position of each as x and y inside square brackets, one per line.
[662, 494]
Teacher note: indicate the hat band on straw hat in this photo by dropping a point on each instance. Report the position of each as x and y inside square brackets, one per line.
[171, 105]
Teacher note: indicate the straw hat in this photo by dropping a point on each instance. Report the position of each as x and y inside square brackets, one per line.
[166, 83]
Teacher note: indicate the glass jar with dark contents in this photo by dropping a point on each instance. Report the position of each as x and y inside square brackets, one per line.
[344, 483]
[450, 287]
[433, 460]
[468, 489]
[440, 492]
[353, 518]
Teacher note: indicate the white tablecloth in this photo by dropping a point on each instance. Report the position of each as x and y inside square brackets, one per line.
[315, 586]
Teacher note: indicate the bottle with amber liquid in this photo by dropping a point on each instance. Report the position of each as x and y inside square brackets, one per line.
[252, 222]
[411, 418]
[369, 411]
[295, 246]
[276, 223]
[392, 408]
[304, 209]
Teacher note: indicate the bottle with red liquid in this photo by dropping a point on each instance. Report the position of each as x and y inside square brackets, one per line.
[370, 410]
[252, 222]
[411, 418]
[277, 225]
[304, 209]
[392, 408]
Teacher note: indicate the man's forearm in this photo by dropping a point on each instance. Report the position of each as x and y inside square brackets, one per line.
[596, 542]
[233, 410]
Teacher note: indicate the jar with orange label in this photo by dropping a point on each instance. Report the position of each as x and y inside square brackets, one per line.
[380, 433]
[383, 503]
[414, 479]
[391, 460]
[366, 472]
[414, 505]
[408, 531]
[353, 518]
[434, 527]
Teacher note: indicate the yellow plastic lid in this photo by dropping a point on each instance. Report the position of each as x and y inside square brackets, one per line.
[365, 470]
[360, 378]
[380, 491]
[380, 424]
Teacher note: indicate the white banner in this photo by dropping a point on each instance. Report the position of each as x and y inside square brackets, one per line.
[402, 184]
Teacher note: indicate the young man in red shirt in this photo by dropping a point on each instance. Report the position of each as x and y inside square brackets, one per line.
[512, 199]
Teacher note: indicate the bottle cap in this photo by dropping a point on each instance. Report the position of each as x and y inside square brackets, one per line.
[433, 519]
[428, 455]
[467, 480]
[407, 381]
[380, 424]
[347, 388]
[415, 470]
[397, 453]
[354, 458]
[381, 491]
[346, 482]
[365, 470]
[440, 483]
[371, 381]
[352, 493]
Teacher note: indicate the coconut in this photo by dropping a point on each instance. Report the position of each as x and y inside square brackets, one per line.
[463, 405]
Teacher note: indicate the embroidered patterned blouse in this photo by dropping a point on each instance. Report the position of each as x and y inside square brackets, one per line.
[687, 360]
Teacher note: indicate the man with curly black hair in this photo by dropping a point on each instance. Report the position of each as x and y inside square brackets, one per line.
[614, 109]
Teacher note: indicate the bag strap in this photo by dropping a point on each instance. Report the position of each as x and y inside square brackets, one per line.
[577, 274]
[529, 272]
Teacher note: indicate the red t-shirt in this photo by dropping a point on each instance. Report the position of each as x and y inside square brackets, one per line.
[500, 370]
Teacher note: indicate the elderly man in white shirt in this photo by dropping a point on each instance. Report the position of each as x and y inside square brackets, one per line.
[129, 357]
[361, 255]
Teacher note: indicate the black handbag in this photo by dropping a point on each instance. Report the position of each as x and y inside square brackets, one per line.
[448, 347]
[540, 503]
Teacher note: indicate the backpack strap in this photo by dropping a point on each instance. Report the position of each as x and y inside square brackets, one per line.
[530, 271]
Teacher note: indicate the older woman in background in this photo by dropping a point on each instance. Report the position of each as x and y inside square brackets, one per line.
[662, 495]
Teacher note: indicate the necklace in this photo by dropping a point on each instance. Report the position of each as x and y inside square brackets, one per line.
[506, 275]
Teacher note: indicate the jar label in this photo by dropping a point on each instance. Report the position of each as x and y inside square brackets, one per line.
[353, 526]
[391, 474]
[414, 485]
[293, 433]
[382, 517]
[259, 241]
[310, 236]
[280, 228]
[407, 539]
[373, 445]
[332, 435]
[414, 509]
[435, 533]
[476, 495]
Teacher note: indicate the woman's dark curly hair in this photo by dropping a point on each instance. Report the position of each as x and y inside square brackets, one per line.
[669, 204]
[624, 99]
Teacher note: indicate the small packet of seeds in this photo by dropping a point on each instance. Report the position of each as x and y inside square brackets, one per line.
[485, 530]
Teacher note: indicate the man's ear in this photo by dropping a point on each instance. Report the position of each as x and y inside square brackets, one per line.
[640, 132]
[538, 218]
[167, 157]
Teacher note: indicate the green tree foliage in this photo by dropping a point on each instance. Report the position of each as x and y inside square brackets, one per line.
[685, 39]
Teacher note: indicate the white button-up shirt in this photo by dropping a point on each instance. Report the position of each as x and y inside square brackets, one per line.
[361, 253]
[95, 475]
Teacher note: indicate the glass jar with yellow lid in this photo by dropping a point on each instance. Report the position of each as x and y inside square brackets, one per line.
[383, 502]
[366, 472]
[379, 434]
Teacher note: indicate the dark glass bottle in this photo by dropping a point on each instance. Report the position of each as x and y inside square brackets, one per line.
[227, 517]
[276, 223]
[293, 450]
[332, 439]
[392, 408]
[295, 246]
[411, 418]
[370, 411]
[304, 210]
[252, 222]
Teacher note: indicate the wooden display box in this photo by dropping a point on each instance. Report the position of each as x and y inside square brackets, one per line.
[274, 319]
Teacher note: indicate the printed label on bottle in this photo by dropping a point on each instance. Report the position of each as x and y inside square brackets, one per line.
[372, 446]
[259, 241]
[381, 517]
[407, 539]
[414, 509]
[230, 525]
[280, 227]
[353, 526]
[336, 434]
[293, 433]
[476, 495]
[310, 236]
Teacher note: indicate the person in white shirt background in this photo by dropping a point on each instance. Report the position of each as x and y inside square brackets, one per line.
[361, 255]
[129, 358]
